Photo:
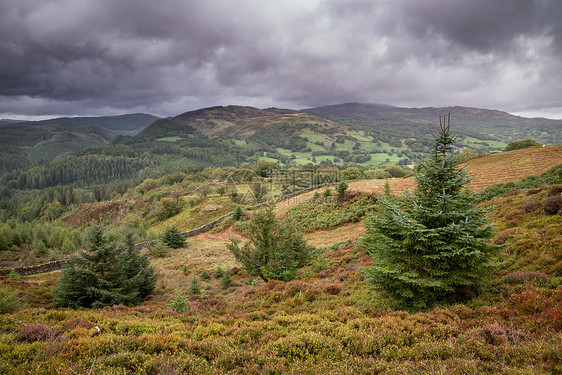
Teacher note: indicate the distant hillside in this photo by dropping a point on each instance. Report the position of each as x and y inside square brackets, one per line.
[237, 121]
[166, 128]
[122, 124]
[5, 122]
[24, 146]
[482, 124]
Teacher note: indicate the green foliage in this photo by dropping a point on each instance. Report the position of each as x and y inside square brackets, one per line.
[377, 173]
[194, 287]
[238, 213]
[219, 272]
[179, 302]
[467, 154]
[435, 248]
[168, 207]
[173, 238]
[275, 250]
[327, 193]
[395, 170]
[526, 143]
[158, 249]
[280, 135]
[226, 281]
[13, 275]
[107, 274]
[341, 189]
[205, 275]
[330, 212]
[259, 191]
[9, 302]
[353, 173]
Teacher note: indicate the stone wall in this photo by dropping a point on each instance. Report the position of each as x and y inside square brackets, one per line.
[36, 269]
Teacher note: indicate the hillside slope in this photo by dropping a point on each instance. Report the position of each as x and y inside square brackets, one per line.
[240, 121]
[476, 122]
[23, 146]
[328, 321]
[512, 166]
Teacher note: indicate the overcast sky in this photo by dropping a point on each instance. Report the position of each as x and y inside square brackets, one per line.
[106, 57]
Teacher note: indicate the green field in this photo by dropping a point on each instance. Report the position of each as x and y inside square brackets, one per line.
[168, 139]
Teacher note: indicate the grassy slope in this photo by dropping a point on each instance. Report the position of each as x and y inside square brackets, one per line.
[329, 321]
[513, 165]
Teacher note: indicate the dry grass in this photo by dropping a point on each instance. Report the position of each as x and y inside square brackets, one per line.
[512, 166]
[328, 237]
[201, 254]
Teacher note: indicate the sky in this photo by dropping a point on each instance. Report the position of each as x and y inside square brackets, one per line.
[107, 57]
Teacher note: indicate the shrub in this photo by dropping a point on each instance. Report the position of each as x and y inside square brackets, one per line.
[178, 303]
[158, 250]
[526, 143]
[13, 275]
[238, 213]
[520, 277]
[395, 170]
[168, 207]
[341, 189]
[40, 332]
[205, 275]
[530, 205]
[333, 289]
[276, 249]
[218, 272]
[194, 287]
[173, 238]
[8, 302]
[553, 205]
[227, 281]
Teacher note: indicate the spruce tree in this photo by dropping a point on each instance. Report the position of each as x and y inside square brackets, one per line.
[434, 247]
[173, 238]
[105, 275]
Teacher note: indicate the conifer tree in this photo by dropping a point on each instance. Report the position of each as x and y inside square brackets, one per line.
[105, 275]
[173, 238]
[275, 250]
[434, 247]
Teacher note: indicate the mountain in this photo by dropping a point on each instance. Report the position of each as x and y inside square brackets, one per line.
[122, 124]
[483, 124]
[238, 121]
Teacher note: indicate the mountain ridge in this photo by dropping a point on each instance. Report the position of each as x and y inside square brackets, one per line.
[121, 124]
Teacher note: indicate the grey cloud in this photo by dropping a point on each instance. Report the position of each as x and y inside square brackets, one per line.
[76, 57]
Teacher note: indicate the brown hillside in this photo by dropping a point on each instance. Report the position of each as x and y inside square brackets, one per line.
[512, 166]
[487, 170]
[242, 121]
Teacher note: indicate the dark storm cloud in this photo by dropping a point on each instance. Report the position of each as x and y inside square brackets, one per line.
[105, 57]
